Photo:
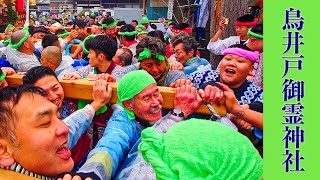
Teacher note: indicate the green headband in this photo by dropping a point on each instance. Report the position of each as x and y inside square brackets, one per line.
[25, 37]
[63, 35]
[142, 32]
[6, 42]
[2, 76]
[145, 54]
[259, 36]
[166, 37]
[85, 50]
[7, 28]
[132, 33]
[109, 25]
[141, 27]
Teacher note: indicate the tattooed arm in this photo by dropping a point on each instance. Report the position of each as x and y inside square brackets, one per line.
[252, 114]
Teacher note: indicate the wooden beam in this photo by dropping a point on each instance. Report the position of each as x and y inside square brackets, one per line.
[82, 89]
[12, 175]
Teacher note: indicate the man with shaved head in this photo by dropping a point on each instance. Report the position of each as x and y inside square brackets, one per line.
[51, 57]
[20, 52]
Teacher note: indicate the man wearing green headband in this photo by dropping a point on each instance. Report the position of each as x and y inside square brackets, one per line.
[141, 32]
[146, 23]
[20, 53]
[139, 106]
[151, 55]
[256, 44]
[109, 27]
[127, 38]
[9, 29]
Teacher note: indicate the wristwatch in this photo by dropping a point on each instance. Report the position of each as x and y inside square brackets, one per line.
[178, 113]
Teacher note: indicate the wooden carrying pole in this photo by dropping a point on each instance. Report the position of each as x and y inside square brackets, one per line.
[82, 90]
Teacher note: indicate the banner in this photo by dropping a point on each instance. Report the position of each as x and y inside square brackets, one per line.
[291, 90]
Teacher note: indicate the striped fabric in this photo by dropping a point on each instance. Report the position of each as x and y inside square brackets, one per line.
[19, 169]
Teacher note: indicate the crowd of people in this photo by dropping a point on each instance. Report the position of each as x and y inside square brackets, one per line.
[47, 136]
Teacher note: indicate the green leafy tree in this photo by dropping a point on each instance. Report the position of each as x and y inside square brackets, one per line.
[12, 14]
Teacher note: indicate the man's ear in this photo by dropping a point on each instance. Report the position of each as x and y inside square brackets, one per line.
[100, 56]
[121, 63]
[253, 40]
[128, 105]
[190, 53]
[122, 39]
[6, 153]
[26, 44]
[51, 63]
[251, 68]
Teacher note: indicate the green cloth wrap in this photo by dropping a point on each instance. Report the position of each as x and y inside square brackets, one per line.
[145, 54]
[132, 84]
[109, 25]
[142, 32]
[63, 35]
[140, 26]
[259, 36]
[7, 28]
[25, 37]
[6, 42]
[132, 33]
[2, 75]
[83, 103]
[166, 37]
[85, 50]
[200, 149]
[144, 20]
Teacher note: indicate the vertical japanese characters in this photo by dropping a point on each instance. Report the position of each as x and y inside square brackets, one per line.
[293, 91]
